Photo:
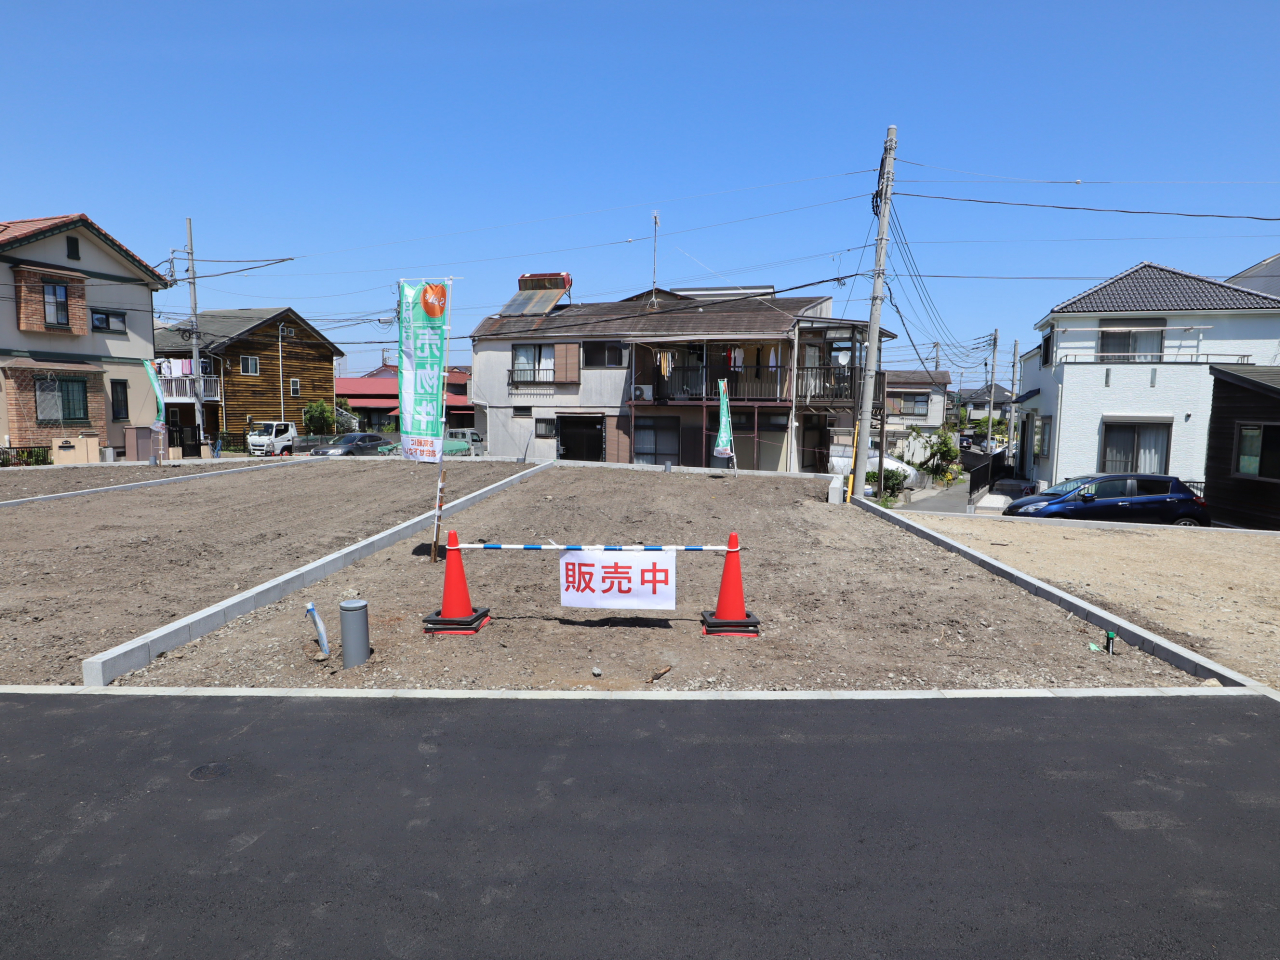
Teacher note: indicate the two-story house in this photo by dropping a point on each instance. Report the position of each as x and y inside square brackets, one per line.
[1121, 380]
[914, 400]
[636, 380]
[259, 364]
[75, 333]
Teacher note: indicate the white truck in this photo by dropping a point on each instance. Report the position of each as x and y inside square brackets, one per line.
[272, 438]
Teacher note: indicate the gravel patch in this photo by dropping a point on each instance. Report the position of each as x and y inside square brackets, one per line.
[18, 484]
[86, 573]
[1213, 591]
[847, 602]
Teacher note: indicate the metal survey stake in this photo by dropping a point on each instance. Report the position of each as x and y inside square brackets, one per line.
[435, 536]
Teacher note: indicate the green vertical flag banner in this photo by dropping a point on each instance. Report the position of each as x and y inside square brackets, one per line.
[724, 437]
[155, 385]
[424, 340]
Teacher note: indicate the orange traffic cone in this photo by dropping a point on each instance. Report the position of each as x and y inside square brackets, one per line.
[456, 615]
[731, 617]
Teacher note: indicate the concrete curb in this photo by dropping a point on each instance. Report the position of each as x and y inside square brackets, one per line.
[1172, 653]
[720, 471]
[320, 692]
[150, 483]
[104, 667]
[1095, 524]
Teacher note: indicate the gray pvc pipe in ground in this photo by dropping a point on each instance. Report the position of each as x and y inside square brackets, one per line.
[354, 616]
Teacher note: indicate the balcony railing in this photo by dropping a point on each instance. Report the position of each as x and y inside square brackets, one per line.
[697, 382]
[533, 376]
[1099, 357]
[184, 388]
[827, 383]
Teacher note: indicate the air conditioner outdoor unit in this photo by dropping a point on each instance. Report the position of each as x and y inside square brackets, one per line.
[642, 391]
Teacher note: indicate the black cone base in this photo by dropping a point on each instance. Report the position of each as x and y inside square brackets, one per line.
[750, 627]
[459, 625]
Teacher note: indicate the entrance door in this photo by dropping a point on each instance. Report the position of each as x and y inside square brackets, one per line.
[581, 438]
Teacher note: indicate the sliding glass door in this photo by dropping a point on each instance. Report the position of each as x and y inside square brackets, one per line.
[1135, 448]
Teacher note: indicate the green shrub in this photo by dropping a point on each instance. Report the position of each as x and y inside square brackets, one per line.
[894, 480]
[317, 418]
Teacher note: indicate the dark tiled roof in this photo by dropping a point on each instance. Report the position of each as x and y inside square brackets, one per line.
[14, 233]
[1263, 379]
[769, 317]
[913, 378]
[1263, 277]
[1151, 288]
[220, 327]
[979, 394]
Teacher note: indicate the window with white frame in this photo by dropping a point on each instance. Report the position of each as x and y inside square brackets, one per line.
[533, 363]
[295, 387]
[249, 366]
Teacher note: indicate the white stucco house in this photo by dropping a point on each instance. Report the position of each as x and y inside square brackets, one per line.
[913, 399]
[1121, 383]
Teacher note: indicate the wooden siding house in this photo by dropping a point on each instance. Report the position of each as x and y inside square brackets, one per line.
[258, 365]
[1242, 461]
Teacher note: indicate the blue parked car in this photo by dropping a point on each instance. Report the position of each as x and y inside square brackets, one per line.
[1130, 497]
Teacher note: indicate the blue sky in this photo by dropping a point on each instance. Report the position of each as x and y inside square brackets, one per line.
[374, 141]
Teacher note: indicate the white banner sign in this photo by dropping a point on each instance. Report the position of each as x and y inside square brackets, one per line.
[618, 580]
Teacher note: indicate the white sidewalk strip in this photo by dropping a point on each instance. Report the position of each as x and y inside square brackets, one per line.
[406, 694]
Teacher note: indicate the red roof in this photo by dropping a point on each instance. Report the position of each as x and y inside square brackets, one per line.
[352, 387]
[14, 233]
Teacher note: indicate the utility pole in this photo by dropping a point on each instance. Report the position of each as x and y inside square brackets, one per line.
[937, 355]
[195, 339]
[879, 205]
[1013, 392]
[991, 389]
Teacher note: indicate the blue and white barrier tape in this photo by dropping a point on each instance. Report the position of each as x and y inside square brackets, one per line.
[551, 546]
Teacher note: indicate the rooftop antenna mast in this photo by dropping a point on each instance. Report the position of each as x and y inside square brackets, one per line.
[653, 294]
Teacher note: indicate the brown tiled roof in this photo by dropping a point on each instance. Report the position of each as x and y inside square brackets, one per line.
[15, 233]
[771, 317]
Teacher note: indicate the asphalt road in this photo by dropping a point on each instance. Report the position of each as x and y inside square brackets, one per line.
[996, 828]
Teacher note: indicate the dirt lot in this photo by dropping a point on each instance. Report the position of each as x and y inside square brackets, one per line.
[16, 484]
[1214, 591]
[846, 600]
[86, 573]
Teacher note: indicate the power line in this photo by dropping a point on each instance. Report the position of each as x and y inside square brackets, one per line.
[996, 176]
[1056, 206]
[587, 213]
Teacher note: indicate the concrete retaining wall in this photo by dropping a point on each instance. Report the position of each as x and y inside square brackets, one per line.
[104, 667]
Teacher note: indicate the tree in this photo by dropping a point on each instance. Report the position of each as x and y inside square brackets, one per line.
[317, 418]
[943, 451]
